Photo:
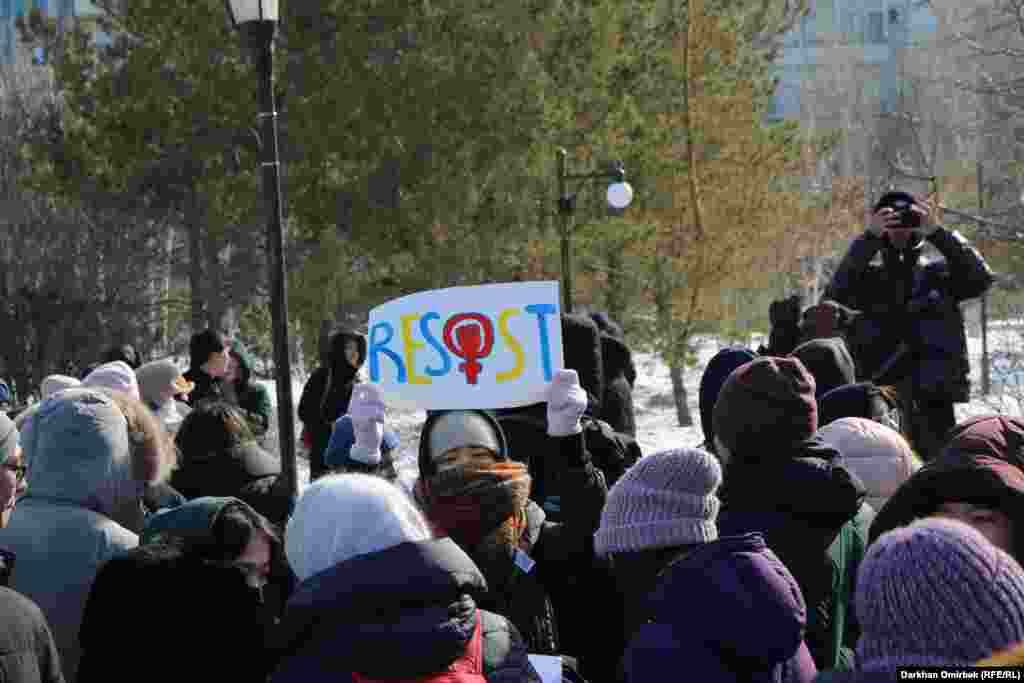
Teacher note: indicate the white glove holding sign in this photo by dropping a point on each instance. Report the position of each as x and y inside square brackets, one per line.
[567, 401]
[367, 412]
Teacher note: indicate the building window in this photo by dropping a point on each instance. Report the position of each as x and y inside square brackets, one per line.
[851, 27]
[894, 16]
[876, 27]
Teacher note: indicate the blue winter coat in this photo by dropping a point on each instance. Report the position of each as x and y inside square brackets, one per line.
[728, 611]
[914, 303]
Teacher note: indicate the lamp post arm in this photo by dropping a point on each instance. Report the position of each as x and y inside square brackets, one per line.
[607, 175]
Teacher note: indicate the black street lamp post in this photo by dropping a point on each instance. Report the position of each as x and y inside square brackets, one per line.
[257, 22]
[619, 196]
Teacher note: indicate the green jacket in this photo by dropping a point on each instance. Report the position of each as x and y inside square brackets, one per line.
[253, 397]
[846, 554]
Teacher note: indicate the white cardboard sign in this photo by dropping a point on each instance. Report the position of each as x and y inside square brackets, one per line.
[488, 346]
[548, 667]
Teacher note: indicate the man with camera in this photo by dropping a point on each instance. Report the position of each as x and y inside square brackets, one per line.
[910, 331]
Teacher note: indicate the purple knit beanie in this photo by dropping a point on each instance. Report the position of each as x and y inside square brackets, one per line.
[766, 404]
[936, 593]
[665, 500]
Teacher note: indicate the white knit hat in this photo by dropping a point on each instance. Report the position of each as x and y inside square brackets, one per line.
[117, 375]
[665, 500]
[878, 455]
[341, 516]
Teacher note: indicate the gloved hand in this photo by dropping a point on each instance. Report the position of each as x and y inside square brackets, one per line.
[366, 409]
[566, 403]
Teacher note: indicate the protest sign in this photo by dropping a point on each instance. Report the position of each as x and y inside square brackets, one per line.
[488, 346]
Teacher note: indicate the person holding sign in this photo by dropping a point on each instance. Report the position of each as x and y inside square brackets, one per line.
[474, 492]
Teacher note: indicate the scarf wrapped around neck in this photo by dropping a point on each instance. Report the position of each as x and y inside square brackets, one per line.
[469, 503]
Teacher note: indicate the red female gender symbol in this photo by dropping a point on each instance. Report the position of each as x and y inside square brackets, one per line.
[472, 345]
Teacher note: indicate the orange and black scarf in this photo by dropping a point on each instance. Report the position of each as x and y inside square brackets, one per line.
[469, 503]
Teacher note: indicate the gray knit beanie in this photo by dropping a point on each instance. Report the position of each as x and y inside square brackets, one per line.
[936, 593]
[665, 500]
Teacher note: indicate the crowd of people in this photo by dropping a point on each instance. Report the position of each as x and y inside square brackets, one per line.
[832, 526]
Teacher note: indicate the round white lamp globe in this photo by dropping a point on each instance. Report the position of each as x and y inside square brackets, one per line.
[620, 195]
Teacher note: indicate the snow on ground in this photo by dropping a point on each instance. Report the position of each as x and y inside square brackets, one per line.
[657, 427]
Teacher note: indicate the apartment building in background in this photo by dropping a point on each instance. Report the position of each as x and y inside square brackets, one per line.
[844, 67]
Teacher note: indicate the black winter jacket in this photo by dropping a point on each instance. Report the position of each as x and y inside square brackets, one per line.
[397, 614]
[326, 396]
[246, 472]
[906, 301]
[159, 594]
[567, 573]
[619, 375]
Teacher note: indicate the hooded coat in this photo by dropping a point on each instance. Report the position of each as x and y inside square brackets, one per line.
[905, 300]
[206, 615]
[744, 619]
[563, 552]
[79, 510]
[617, 403]
[716, 372]
[192, 525]
[252, 397]
[416, 600]
[619, 375]
[326, 395]
[983, 463]
[829, 361]
[799, 502]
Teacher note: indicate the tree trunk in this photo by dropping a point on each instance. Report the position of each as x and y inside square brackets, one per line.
[324, 341]
[218, 303]
[679, 394]
[165, 327]
[615, 296]
[673, 346]
[195, 257]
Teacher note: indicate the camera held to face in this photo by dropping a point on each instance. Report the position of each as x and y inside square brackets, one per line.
[908, 233]
[908, 218]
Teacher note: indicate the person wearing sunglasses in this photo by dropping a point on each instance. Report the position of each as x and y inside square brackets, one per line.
[28, 652]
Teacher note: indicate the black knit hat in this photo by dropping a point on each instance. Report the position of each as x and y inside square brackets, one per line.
[202, 345]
